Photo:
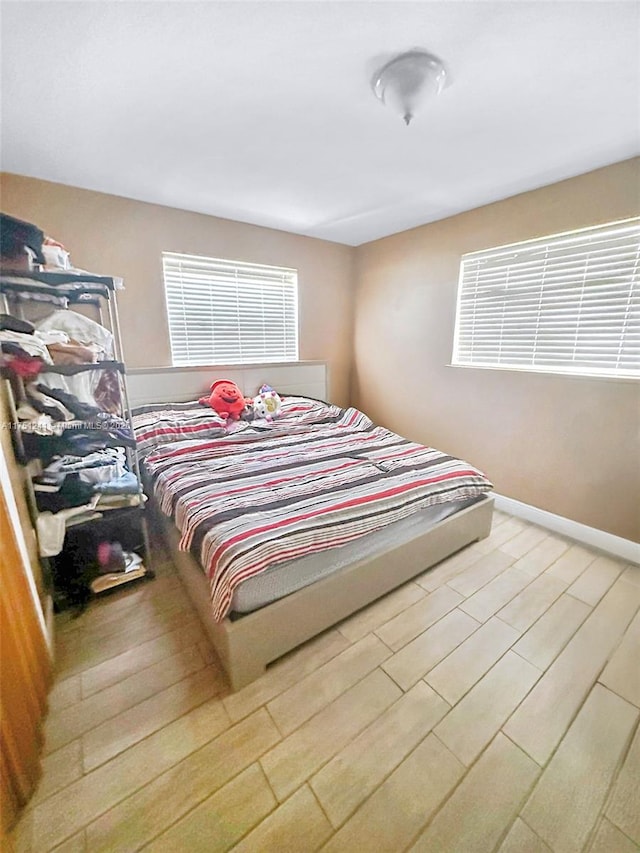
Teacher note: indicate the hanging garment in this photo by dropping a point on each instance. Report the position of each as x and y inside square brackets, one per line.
[73, 492]
[107, 392]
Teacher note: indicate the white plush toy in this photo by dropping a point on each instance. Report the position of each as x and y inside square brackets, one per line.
[267, 404]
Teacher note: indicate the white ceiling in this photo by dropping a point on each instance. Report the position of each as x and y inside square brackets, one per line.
[262, 111]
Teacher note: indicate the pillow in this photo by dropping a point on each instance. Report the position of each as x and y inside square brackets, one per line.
[164, 423]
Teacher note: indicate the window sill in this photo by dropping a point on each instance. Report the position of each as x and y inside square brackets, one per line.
[218, 367]
[541, 372]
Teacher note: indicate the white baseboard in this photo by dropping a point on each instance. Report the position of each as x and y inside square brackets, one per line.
[625, 549]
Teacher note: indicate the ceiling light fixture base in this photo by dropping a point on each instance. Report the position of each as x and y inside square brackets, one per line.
[409, 79]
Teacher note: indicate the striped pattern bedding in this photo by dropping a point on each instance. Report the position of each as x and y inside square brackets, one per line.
[316, 478]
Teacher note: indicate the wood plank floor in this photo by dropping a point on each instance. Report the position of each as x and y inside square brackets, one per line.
[491, 704]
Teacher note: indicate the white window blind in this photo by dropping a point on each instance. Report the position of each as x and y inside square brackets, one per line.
[569, 303]
[229, 312]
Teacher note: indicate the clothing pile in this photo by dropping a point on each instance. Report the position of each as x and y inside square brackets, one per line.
[61, 350]
[68, 420]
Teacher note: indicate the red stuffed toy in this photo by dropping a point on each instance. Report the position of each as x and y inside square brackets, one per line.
[226, 399]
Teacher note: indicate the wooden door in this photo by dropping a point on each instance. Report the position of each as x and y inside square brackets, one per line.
[25, 672]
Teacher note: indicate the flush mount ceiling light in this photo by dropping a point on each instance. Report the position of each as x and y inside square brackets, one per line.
[407, 80]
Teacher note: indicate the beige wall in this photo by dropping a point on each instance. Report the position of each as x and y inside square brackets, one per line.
[567, 445]
[117, 236]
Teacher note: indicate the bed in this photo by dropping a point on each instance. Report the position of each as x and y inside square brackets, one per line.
[280, 530]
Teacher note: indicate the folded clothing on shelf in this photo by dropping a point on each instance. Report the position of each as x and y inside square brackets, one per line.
[48, 480]
[40, 424]
[127, 484]
[100, 467]
[81, 385]
[73, 492]
[73, 442]
[79, 409]
[109, 502]
[29, 342]
[81, 443]
[44, 403]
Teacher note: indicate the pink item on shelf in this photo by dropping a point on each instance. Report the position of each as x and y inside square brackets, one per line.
[111, 557]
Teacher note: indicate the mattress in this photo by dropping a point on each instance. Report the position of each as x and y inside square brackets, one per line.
[283, 579]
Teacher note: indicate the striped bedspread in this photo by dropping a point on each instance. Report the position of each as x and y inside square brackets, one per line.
[316, 478]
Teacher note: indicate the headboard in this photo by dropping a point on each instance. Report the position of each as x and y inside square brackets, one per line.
[180, 384]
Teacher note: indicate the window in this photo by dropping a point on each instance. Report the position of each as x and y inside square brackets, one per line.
[569, 303]
[229, 312]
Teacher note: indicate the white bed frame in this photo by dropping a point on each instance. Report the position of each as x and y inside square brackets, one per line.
[246, 645]
[148, 385]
